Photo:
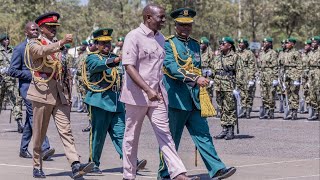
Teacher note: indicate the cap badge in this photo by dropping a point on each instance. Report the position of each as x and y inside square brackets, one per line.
[105, 32]
[186, 12]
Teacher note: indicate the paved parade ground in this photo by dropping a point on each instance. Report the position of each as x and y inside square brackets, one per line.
[264, 150]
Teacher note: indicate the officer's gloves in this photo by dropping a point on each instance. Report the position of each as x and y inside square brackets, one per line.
[296, 83]
[250, 83]
[4, 70]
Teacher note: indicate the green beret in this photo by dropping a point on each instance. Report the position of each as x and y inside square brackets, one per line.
[204, 40]
[121, 39]
[268, 39]
[292, 39]
[84, 42]
[102, 34]
[308, 42]
[183, 15]
[227, 39]
[315, 38]
[243, 40]
[68, 46]
[4, 36]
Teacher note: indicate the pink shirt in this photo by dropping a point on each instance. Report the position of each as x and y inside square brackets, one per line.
[144, 50]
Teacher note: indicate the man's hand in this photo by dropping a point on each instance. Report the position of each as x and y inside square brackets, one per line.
[153, 95]
[202, 81]
[117, 59]
[68, 38]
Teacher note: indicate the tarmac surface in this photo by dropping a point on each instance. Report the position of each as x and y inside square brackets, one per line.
[264, 150]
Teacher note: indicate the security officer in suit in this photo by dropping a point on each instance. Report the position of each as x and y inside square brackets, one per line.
[19, 70]
[182, 80]
[49, 92]
[107, 112]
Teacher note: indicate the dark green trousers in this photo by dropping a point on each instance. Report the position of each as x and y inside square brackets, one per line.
[104, 122]
[200, 134]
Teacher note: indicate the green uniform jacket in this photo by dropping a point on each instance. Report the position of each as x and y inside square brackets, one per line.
[183, 92]
[107, 100]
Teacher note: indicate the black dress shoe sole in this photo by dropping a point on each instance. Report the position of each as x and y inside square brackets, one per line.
[225, 175]
[27, 157]
[142, 164]
[48, 154]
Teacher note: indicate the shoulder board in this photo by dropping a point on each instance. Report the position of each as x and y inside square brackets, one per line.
[34, 41]
[95, 52]
[169, 37]
[194, 39]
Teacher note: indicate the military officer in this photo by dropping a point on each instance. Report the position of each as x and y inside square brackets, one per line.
[247, 90]
[304, 79]
[269, 69]
[50, 93]
[183, 79]
[206, 56]
[313, 78]
[8, 85]
[227, 70]
[292, 65]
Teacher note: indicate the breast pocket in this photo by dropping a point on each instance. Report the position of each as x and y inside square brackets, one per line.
[152, 54]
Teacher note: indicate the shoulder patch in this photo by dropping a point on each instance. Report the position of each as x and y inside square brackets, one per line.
[169, 37]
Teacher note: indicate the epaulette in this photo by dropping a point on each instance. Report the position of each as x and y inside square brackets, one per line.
[94, 52]
[169, 37]
[34, 41]
[194, 39]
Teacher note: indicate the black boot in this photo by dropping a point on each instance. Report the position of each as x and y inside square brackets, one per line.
[88, 128]
[266, 114]
[262, 112]
[20, 125]
[288, 116]
[230, 134]
[243, 112]
[271, 114]
[222, 134]
[294, 114]
[248, 113]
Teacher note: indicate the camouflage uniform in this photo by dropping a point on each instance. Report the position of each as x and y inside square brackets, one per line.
[304, 78]
[226, 77]
[81, 87]
[247, 90]
[8, 88]
[269, 69]
[207, 57]
[314, 82]
[292, 65]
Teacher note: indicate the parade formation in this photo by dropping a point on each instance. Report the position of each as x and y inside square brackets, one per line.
[172, 80]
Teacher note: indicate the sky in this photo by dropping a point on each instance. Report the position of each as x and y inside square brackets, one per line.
[83, 2]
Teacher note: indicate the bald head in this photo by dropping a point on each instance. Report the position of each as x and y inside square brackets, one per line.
[154, 17]
[31, 30]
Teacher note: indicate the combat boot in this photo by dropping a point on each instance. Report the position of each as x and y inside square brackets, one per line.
[230, 134]
[288, 116]
[311, 113]
[266, 114]
[262, 111]
[20, 125]
[242, 113]
[314, 117]
[248, 113]
[271, 114]
[294, 114]
[222, 134]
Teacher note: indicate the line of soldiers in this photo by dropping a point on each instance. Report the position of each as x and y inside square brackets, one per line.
[281, 75]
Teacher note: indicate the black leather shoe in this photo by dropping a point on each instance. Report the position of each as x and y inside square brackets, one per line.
[38, 173]
[96, 170]
[47, 154]
[141, 164]
[78, 169]
[224, 173]
[25, 154]
[20, 125]
[87, 129]
[222, 134]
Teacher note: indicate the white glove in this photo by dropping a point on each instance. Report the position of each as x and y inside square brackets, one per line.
[284, 86]
[275, 83]
[251, 83]
[210, 83]
[4, 70]
[206, 72]
[236, 92]
[296, 83]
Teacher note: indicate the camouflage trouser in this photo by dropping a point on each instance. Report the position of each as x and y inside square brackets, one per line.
[268, 93]
[247, 95]
[293, 93]
[313, 86]
[10, 93]
[227, 103]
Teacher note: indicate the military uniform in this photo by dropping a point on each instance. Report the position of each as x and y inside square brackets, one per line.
[182, 67]
[313, 81]
[206, 57]
[8, 85]
[107, 113]
[304, 79]
[247, 90]
[269, 70]
[292, 65]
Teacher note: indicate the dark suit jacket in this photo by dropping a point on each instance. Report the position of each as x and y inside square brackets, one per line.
[19, 70]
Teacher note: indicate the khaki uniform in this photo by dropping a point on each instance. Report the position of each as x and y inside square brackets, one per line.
[49, 97]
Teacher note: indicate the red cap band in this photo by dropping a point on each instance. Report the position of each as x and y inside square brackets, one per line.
[52, 19]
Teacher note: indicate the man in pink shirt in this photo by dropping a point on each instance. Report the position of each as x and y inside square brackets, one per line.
[144, 94]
